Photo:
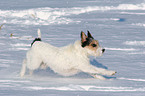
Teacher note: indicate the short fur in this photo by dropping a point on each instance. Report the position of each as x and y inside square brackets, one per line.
[68, 60]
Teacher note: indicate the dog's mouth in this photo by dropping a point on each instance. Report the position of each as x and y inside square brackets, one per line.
[99, 52]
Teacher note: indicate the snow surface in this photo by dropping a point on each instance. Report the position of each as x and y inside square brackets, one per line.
[119, 25]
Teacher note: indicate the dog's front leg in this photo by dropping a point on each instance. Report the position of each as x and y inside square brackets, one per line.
[88, 68]
[98, 76]
[106, 72]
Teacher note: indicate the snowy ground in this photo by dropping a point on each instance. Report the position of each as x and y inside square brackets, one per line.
[119, 25]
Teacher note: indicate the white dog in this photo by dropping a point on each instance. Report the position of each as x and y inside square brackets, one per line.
[66, 61]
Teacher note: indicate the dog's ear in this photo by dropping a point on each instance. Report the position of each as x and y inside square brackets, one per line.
[89, 35]
[83, 37]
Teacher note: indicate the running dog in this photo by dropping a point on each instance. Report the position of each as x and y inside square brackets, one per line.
[68, 60]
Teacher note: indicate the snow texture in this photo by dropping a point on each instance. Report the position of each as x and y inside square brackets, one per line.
[119, 25]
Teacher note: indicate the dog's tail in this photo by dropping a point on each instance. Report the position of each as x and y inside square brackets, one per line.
[39, 37]
[39, 33]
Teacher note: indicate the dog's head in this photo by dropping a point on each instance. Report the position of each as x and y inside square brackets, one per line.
[91, 45]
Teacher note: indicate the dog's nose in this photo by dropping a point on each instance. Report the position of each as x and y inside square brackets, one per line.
[103, 50]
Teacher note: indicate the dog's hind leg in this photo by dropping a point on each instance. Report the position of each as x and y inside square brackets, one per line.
[23, 70]
[33, 63]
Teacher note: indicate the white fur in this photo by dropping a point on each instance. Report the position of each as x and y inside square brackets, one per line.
[66, 61]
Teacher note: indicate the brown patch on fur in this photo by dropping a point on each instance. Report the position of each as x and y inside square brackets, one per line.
[93, 45]
[83, 37]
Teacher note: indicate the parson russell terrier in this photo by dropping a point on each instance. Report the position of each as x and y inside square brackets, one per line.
[68, 60]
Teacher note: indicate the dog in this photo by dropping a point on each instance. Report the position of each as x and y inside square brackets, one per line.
[66, 61]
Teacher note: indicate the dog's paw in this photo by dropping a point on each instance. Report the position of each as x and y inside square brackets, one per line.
[110, 73]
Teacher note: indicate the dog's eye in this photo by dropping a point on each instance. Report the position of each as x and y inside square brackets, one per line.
[94, 45]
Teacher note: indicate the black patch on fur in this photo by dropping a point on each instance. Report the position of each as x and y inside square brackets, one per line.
[89, 35]
[36, 39]
[87, 42]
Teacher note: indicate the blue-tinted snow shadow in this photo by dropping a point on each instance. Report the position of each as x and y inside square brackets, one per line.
[97, 64]
[121, 20]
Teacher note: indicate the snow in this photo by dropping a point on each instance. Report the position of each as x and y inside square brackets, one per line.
[120, 49]
[135, 43]
[119, 25]
[47, 16]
